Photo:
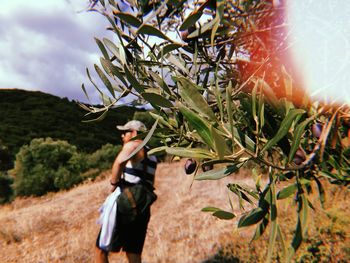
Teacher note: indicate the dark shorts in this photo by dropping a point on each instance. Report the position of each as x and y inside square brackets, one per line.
[129, 237]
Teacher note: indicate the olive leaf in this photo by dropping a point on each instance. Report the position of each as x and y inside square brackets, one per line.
[283, 129]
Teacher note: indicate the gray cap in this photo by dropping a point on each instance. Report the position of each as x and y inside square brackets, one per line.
[133, 126]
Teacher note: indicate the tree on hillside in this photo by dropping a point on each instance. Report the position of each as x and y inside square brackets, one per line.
[47, 165]
[6, 190]
[224, 92]
[5, 157]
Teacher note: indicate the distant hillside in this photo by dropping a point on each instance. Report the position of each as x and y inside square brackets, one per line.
[25, 115]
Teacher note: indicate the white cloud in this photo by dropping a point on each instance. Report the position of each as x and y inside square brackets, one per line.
[46, 45]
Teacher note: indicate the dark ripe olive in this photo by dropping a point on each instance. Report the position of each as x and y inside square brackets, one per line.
[190, 166]
[297, 160]
[317, 130]
[299, 157]
[207, 167]
[184, 35]
[346, 122]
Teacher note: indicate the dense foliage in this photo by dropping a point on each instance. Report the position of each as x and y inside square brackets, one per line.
[217, 74]
[6, 191]
[5, 157]
[27, 115]
[46, 165]
[103, 158]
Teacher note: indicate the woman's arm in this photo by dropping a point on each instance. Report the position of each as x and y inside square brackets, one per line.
[120, 161]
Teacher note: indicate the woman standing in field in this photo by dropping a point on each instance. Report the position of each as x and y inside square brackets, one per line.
[129, 236]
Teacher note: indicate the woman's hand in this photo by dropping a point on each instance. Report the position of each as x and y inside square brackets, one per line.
[112, 188]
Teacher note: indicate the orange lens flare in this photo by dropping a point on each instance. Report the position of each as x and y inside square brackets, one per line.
[295, 41]
[271, 58]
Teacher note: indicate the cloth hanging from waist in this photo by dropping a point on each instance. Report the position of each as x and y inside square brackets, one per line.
[108, 217]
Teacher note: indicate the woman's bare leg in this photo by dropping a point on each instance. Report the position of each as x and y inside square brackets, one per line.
[101, 256]
[133, 258]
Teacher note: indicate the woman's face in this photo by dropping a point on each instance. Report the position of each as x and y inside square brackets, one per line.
[128, 135]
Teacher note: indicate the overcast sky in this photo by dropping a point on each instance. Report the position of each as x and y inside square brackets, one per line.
[46, 45]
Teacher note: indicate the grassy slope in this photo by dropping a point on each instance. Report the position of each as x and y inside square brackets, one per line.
[62, 227]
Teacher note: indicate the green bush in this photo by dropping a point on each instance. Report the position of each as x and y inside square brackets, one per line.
[6, 191]
[47, 165]
[103, 158]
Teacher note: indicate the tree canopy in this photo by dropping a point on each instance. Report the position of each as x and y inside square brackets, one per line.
[225, 93]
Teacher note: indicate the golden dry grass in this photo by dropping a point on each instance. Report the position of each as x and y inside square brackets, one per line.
[62, 227]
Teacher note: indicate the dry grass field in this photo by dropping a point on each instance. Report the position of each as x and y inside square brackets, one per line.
[61, 227]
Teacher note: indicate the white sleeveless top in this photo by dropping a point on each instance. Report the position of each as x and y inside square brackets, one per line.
[143, 170]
